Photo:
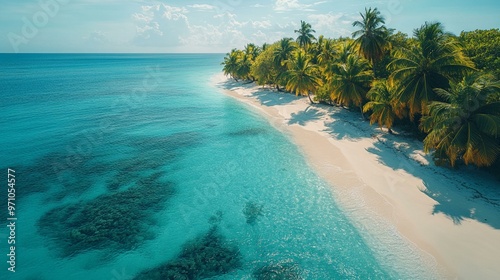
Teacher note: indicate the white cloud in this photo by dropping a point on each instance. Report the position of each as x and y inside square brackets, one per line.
[286, 5]
[330, 25]
[146, 26]
[174, 13]
[262, 24]
[202, 7]
[97, 37]
[232, 21]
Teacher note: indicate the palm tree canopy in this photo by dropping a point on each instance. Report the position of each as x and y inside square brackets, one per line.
[283, 51]
[306, 36]
[231, 63]
[465, 126]
[281, 54]
[432, 63]
[382, 105]
[301, 76]
[349, 81]
[372, 35]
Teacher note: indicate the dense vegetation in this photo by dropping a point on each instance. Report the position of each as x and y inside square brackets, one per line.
[442, 86]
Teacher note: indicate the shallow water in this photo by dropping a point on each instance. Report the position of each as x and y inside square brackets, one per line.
[122, 160]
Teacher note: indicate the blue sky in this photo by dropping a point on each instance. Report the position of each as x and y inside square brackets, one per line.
[211, 25]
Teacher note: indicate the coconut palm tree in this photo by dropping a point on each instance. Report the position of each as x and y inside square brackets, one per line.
[302, 76]
[251, 51]
[464, 126]
[327, 52]
[432, 63]
[283, 51]
[349, 81]
[244, 65]
[385, 109]
[263, 68]
[306, 36]
[281, 54]
[231, 64]
[344, 50]
[372, 36]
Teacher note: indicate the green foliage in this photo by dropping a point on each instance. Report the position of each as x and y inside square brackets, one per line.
[264, 69]
[371, 38]
[389, 76]
[306, 36]
[237, 63]
[432, 63]
[483, 47]
[464, 126]
[301, 76]
[384, 107]
[349, 82]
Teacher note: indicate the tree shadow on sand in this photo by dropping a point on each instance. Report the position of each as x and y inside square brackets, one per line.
[269, 98]
[463, 193]
[303, 117]
[349, 125]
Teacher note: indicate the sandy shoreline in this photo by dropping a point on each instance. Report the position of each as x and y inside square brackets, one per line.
[448, 219]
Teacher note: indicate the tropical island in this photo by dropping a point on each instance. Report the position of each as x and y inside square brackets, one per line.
[440, 87]
[429, 167]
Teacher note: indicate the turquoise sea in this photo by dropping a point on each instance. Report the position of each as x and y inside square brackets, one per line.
[133, 166]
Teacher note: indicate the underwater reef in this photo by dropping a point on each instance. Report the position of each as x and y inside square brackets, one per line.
[207, 256]
[252, 211]
[282, 270]
[118, 221]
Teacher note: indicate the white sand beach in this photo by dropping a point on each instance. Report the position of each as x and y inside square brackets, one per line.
[450, 219]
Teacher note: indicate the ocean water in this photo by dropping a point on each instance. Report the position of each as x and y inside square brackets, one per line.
[135, 166]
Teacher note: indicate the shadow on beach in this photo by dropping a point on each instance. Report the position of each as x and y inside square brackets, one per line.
[270, 98]
[303, 117]
[462, 193]
[348, 125]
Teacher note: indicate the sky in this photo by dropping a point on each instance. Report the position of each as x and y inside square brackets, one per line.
[211, 26]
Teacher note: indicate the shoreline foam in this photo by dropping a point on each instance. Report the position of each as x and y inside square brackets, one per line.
[449, 220]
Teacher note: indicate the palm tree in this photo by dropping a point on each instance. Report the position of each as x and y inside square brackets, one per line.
[306, 36]
[263, 68]
[382, 105]
[464, 126]
[244, 66]
[349, 81]
[327, 52]
[371, 38]
[251, 51]
[282, 53]
[344, 50]
[231, 64]
[301, 76]
[432, 63]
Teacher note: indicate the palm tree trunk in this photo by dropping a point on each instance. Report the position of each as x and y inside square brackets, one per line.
[309, 96]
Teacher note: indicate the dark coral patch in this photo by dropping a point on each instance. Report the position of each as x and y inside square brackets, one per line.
[206, 256]
[283, 270]
[116, 221]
